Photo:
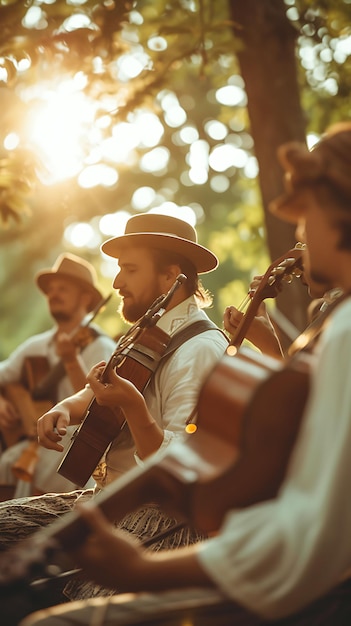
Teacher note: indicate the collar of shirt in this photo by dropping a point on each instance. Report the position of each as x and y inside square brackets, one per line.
[175, 318]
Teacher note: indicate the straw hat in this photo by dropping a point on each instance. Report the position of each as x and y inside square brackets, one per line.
[75, 269]
[166, 233]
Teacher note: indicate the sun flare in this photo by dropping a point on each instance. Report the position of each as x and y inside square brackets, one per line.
[61, 127]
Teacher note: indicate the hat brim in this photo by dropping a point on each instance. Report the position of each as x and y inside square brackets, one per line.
[43, 280]
[203, 259]
[287, 207]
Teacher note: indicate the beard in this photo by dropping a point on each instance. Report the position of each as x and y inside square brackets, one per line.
[132, 310]
[61, 316]
[130, 313]
[58, 310]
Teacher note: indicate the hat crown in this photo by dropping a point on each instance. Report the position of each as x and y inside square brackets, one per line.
[71, 267]
[162, 232]
[162, 224]
[77, 268]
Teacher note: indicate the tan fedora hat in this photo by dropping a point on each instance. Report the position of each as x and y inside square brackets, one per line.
[154, 230]
[75, 269]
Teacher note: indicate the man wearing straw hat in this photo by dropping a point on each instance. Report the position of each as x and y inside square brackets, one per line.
[71, 291]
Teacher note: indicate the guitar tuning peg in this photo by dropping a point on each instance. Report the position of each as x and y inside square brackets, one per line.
[297, 271]
[289, 261]
[277, 271]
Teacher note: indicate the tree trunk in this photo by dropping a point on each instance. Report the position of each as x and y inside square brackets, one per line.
[268, 66]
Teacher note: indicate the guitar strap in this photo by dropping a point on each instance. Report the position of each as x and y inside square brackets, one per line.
[151, 361]
[177, 340]
[187, 333]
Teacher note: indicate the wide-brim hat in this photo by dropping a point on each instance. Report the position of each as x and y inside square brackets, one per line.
[164, 232]
[327, 161]
[75, 269]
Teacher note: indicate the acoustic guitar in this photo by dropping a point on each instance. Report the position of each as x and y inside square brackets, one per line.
[135, 358]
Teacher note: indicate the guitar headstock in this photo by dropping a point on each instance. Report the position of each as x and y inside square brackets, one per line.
[284, 269]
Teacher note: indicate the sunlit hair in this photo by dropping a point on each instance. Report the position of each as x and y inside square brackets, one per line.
[193, 285]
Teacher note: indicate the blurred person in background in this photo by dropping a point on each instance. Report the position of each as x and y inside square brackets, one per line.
[70, 288]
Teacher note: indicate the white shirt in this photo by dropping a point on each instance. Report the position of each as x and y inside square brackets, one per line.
[43, 345]
[278, 556]
[46, 477]
[173, 391]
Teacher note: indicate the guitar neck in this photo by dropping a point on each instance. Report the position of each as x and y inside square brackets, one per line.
[285, 267]
[246, 321]
[168, 480]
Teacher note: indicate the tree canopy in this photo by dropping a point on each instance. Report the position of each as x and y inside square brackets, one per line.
[111, 108]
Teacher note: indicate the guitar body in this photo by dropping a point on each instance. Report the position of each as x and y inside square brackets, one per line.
[35, 368]
[88, 444]
[20, 395]
[258, 402]
[100, 424]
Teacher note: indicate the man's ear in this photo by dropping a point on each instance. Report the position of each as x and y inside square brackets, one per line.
[171, 273]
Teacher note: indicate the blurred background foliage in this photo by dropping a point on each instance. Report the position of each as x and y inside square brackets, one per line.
[117, 107]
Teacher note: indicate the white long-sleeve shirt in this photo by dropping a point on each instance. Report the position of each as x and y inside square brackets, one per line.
[278, 556]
